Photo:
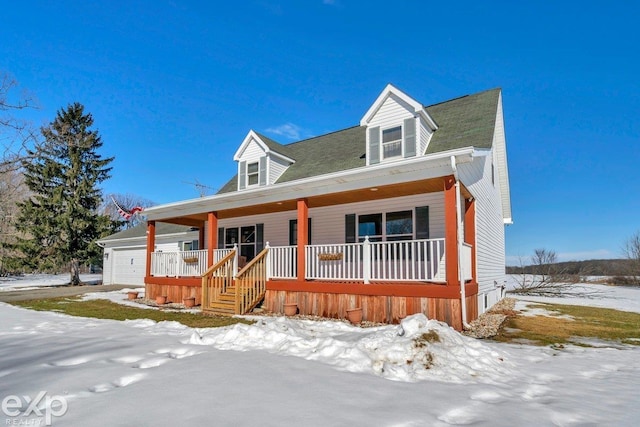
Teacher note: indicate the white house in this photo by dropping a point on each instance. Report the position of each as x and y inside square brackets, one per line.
[402, 213]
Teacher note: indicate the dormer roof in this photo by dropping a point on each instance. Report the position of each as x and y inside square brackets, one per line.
[391, 90]
[268, 145]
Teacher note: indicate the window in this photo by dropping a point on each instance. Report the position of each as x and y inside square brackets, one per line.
[370, 225]
[399, 225]
[392, 142]
[252, 173]
[390, 226]
[190, 245]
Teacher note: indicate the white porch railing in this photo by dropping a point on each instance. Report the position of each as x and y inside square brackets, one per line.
[343, 261]
[183, 263]
[409, 260]
[282, 262]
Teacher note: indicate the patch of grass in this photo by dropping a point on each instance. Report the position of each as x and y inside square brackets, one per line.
[103, 309]
[586, 323]
[428, 337]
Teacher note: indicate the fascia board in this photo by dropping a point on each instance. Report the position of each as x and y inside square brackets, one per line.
[247, 140]
[388, 90]
[144, 238]
[418, 168]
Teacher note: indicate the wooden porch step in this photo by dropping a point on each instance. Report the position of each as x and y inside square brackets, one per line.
[222, 307]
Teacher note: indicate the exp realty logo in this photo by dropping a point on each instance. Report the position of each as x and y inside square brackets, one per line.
[36, 411]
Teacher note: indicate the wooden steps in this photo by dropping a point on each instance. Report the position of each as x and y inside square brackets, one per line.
[220, 287]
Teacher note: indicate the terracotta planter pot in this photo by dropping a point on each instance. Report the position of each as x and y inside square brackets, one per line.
[132, 295]
[354, 315]
[161, 299]
[290, 309]
[189, 302]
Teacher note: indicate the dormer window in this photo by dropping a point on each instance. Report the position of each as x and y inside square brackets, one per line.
[392, 142]
[252, 173]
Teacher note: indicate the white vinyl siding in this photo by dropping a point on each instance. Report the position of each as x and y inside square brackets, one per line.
[425, 137]
[107, 271]
[391, 113]
[328, 222]
[490, 248]
[253, 152]
[276, 168]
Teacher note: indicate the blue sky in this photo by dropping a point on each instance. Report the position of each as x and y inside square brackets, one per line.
[174, 87]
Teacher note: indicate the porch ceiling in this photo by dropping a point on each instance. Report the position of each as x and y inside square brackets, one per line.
[364, 194]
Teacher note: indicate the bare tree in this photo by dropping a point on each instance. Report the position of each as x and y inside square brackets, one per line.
[127, 202]
[543, 276]
[16, 135]
[631, 251]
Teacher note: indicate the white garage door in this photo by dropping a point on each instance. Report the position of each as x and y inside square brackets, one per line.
[129, 266]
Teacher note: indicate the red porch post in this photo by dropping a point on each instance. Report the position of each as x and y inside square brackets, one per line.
[470, 233]
[450, 231]
[303, 221]
[151, 244]
[212, 236]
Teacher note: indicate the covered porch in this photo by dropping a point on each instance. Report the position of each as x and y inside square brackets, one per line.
[389, 279]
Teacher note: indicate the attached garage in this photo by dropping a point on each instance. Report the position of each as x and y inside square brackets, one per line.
[125, 252]
[128, 266]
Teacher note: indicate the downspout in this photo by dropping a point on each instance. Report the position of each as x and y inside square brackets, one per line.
[463, 292]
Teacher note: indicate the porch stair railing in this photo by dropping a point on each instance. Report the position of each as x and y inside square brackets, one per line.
[218, 284]
[226, 293]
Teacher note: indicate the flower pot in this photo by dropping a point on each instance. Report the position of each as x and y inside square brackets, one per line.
[189, 302]
[161, 299]
[132, 295]
[290, 309]
[354, 315]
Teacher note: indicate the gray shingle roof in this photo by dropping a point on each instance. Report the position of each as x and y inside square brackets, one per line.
[140, 230]
[467, 121]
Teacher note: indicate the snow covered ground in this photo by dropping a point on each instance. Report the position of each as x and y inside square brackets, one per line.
[283, 371]
[34, 281]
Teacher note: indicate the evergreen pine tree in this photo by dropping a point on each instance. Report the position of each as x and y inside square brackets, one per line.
[60, 222]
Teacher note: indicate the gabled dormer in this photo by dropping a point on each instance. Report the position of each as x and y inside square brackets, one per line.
[398, 127]
[261, 161]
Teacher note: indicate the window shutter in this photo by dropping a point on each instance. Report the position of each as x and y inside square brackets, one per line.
[242, 176]
[350, 228]
[374, 145]
[293, 232]
[410, 137]
[262, 173]
[259, 238]
[422, 222]
[221, 238]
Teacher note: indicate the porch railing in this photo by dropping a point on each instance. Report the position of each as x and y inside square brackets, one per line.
[410, 260]
[282, 262]
[183, 263]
